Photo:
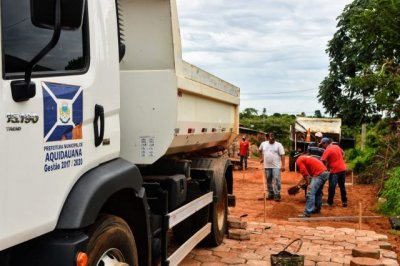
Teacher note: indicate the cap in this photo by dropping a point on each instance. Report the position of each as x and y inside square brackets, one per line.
[244, 136]
[319, 135]
[324, 140]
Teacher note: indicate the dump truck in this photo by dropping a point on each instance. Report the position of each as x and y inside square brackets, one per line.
[303, 133]
[110, 144]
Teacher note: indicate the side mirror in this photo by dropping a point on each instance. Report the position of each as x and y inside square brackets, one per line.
[43, 13]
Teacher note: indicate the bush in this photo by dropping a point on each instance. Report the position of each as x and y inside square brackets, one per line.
[362, 159]
[391, 193]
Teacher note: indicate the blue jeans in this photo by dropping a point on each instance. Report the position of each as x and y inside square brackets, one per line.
[273, 176]
[337, 179]
[243, 159]
[314, 193]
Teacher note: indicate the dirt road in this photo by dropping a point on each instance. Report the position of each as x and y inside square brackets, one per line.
[248, 188]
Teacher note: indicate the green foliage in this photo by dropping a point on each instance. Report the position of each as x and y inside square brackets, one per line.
[364, 69]
[278, 124]
[391, 193]
[359, 160]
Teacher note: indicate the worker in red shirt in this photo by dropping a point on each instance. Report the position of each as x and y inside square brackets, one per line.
[314, 171]
[333, 157]
[244, 146]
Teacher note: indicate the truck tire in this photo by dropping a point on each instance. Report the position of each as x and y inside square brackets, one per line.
[218, 214]
[110, 242]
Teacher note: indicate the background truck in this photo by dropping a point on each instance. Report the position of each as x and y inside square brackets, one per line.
[108, 137]
[329, 127]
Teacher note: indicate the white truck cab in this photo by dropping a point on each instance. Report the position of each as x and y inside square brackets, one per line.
[107, 135]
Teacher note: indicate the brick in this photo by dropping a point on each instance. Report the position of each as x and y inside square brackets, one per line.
[239, 234]
[365, 262]
[366, 251]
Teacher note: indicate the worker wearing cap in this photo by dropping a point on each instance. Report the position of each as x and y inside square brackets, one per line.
[314, 149]
[244, 146]
[316, 174]
[273, 156]
[333, 157]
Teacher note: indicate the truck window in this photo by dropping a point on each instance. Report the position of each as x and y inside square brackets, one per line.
[21, 41]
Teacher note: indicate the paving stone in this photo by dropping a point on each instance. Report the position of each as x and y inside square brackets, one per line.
[382, 244]
[235, 222]
[326, 228]
[323, 242]
[390, 262]
[236, 260]
[190, 262]
[388, 254]
[329, 264]
[224, 254]
[213, 264]
[342, 260]
[239, 234]
[366, 251]
[198, 251]
[365, 262]
[309, 263]
[365, 239]
[250, 256]
[346, 230]
[258, 263]
[319, 258]
[206, 258]
[379, 237]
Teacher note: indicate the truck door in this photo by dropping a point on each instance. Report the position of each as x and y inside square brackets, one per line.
[48, 141]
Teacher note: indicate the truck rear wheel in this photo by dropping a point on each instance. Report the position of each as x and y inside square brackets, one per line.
[111, 242]
[218, 213]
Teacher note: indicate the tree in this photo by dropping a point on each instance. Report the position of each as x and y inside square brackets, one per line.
[317, 113]
[248, 113]
[364, 69]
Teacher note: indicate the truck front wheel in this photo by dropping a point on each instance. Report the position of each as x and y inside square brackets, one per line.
[111, 242]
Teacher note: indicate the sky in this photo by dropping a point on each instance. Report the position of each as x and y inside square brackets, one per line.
[274, 50]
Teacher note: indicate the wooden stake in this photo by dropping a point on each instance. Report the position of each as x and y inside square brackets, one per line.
[265, 207]
[332, 218]
[264, 194]
[360, 216]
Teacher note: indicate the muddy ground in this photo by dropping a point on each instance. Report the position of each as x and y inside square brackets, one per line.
[248, 188]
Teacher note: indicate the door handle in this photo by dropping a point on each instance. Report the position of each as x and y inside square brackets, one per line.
[98, 113]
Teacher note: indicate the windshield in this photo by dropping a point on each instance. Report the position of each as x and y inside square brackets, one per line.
[21, 41]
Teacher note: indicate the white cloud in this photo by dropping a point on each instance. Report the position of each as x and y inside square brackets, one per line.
[266, 47]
